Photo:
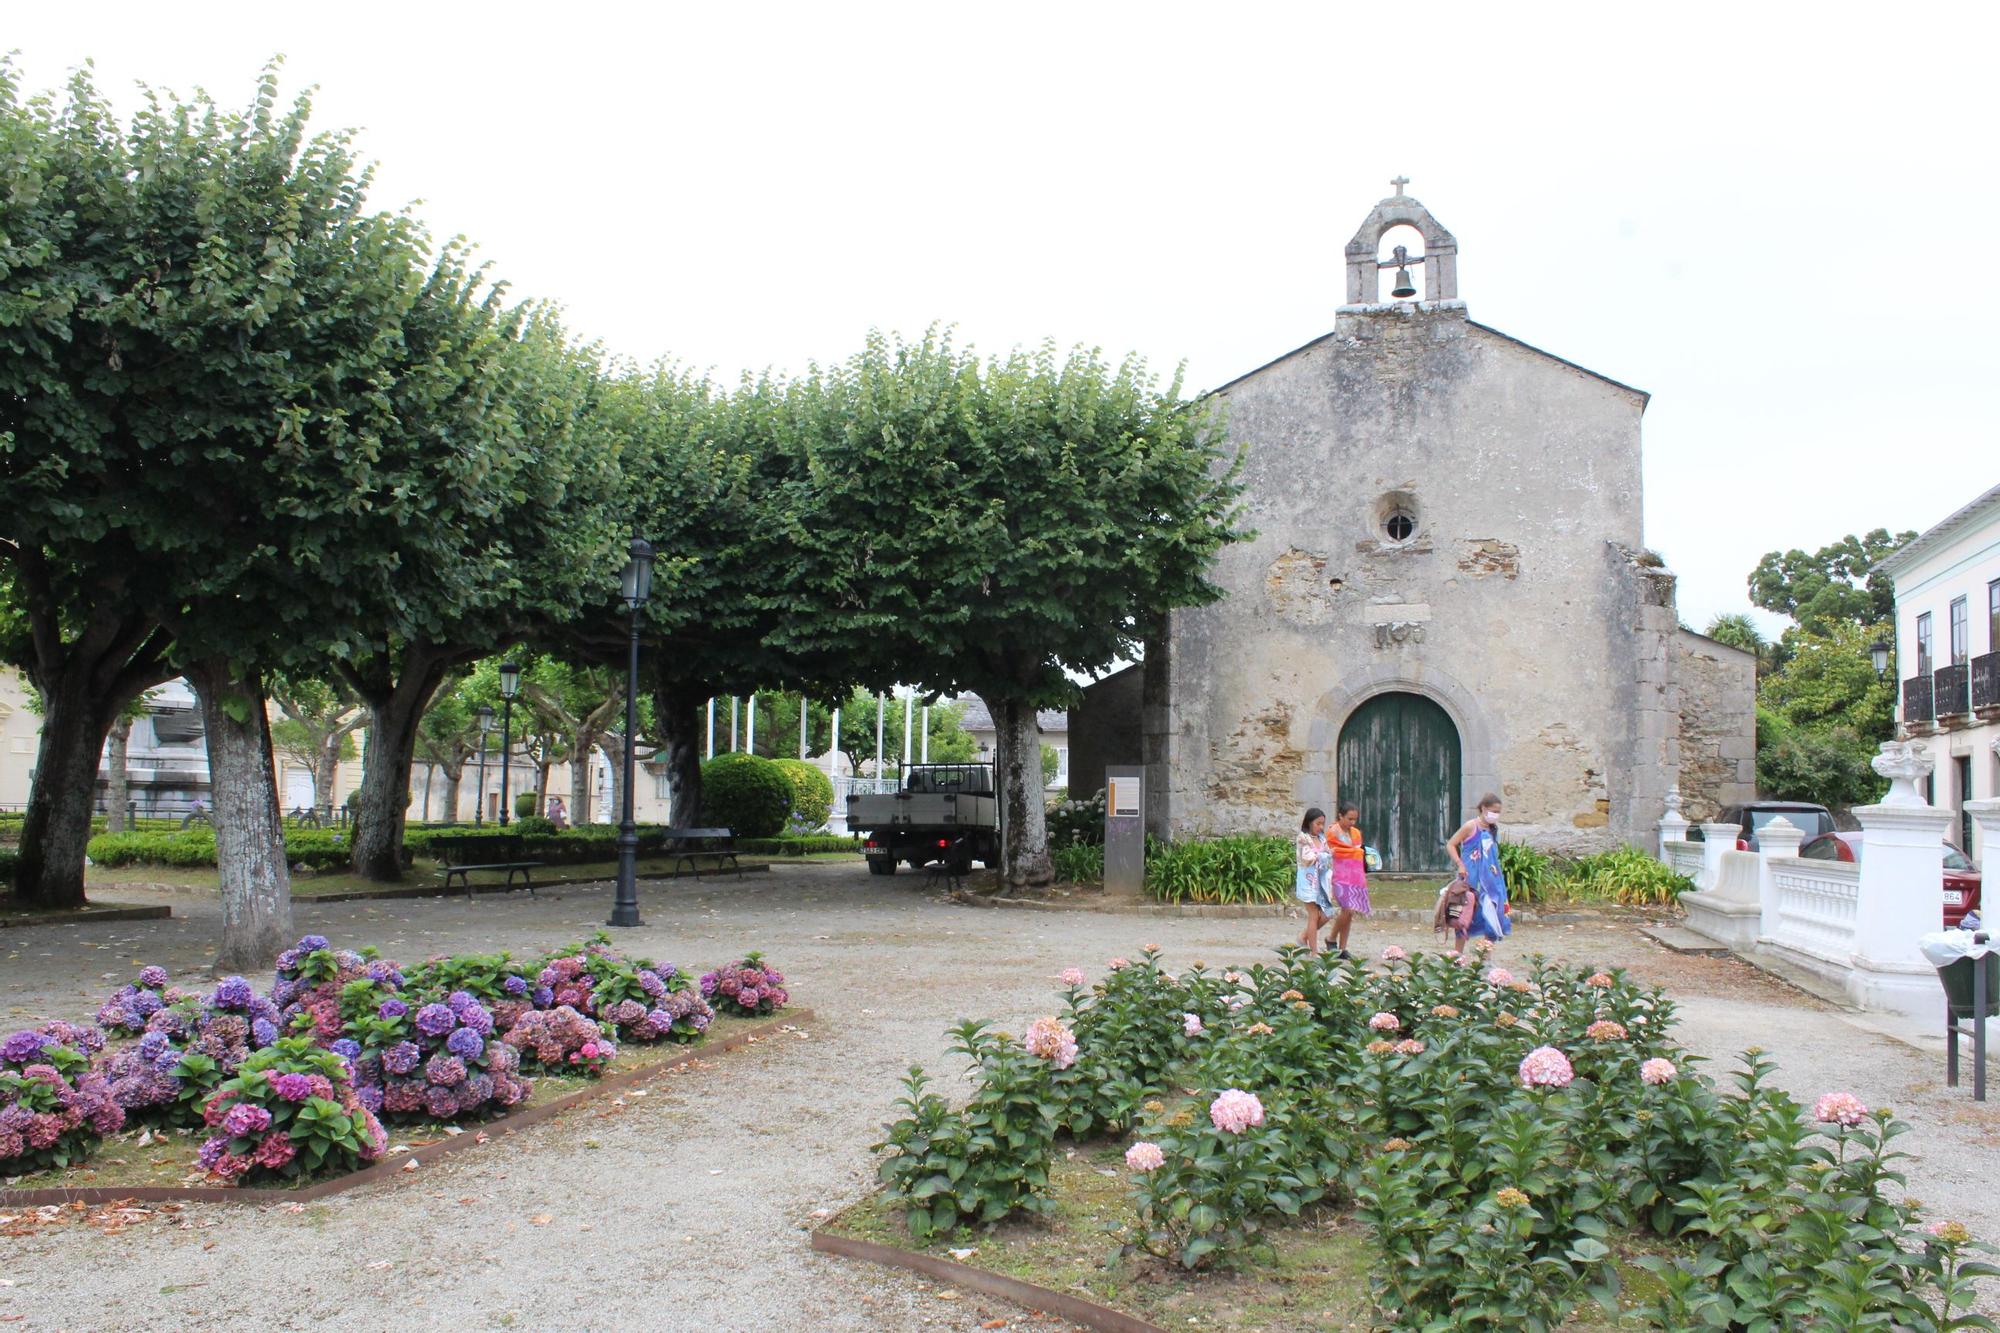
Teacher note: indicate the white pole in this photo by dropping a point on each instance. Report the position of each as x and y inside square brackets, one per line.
[833, 749]
[927, 733]
[750, 729]
[805, 743]
[711, 730]
[881, 712]
[733, 747]
[909, 715]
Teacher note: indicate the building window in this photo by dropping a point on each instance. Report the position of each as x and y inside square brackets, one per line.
[1993, 616]
[1924, 644]
[1062, 766]
[660, 789]
[1958, 631]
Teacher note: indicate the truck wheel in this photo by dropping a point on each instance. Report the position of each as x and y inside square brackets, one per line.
[881, 865]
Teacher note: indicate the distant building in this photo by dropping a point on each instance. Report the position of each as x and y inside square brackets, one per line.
[1948, 654]
[978, 722]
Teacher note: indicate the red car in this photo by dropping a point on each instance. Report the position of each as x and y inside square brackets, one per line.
[1961, 874]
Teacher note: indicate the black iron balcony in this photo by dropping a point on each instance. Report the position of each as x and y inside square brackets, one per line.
[1951, 691]
[1986, 681]
[1917, 699]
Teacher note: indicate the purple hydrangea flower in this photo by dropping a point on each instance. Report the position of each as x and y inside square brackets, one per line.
[544, 997]
[445, 1070]
[211, 1152]
[348, 1047]
[22, 1047]
[465, 1044]
[244, 1120]
[144, 1004]
[232, 993]
[263, 1032]
[392, 1009]
[440, 1102]
[458, 1001]
[401, 1058]
[434, 1020]
[156, 977]
[515, 985]
[153, 1045]
[479, 1018]
[312, 943]
[292, 1087]
[384, 972]
[288, 960]
[650, 982]
[370, 1097]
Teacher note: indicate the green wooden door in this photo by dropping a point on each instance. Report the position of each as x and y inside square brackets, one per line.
[1398, 761]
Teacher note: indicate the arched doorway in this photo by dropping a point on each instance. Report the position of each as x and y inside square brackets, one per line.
[1399, 761]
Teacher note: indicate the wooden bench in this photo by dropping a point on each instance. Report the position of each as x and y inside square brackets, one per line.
[695, 845]
[462, 854]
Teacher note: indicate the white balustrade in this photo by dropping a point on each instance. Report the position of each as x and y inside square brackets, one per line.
[1683, 857]
[1815, 904]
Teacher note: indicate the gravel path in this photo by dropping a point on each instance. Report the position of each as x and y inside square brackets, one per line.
[688, 1208]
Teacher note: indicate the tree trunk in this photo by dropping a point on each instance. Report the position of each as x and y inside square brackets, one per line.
[430, 776]
[541, 809]
[450, 797]
[118, 786]
[1024, 842]
[55, 831]
[383, 804]
[680, 747]
[581, 754]
[249, 828]
[326, 769]
[613, 744]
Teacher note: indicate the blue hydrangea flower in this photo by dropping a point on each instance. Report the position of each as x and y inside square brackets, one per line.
[22, 1047]
[434, 1020]
[402, 1057]
[458, 1001]
[233, 993]
[348, 1047]
[544, 997]
[465, 1044]
[313, 943]
[392, 1009]
[515, 985]
[263, 1032]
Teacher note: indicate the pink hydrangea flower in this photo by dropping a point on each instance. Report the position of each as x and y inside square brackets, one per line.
[1191, 1024]
[1840, 1108]
[1409, 1046]
[1235, 1111]
[1393, 954]
[1385, 1022]
[1145, 1157]
[1546, 1067]
[1500, 976]
[1601, 980]
[1657, 1071]
[1119, 964]
[1605, 1030]
[1049, 1039]
[1070, 976]
[1149, 948]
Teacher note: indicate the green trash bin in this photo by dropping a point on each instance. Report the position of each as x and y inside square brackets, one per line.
[1958, 978]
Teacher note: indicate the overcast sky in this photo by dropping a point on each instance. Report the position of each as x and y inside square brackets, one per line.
[1777, 219]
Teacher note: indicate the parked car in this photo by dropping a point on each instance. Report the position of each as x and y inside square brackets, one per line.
[1961, 873]
[1811, 820]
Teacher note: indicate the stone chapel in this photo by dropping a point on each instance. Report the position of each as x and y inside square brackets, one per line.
[1448, 593]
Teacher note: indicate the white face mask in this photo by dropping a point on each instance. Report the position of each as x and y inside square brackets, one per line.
[1490, 816]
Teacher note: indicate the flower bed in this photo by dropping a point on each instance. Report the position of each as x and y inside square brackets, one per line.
[291, 1086]
[1504, 1148]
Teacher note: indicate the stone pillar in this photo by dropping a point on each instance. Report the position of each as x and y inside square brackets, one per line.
[1716, 839]
[1986, 814]
[1776, 841]
[1673, 828]
[1901, 893]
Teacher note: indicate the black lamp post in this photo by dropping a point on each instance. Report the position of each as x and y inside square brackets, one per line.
[510, 685]
[1878, 653]
[485, 730]
[638, 587]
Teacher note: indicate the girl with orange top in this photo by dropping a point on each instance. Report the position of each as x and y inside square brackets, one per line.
[1350, 872]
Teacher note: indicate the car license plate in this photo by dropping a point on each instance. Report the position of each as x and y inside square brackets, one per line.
[1954, 898]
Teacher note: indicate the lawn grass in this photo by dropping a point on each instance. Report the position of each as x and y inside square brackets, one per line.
[423, 874]
[165, 1158]
[1316, 1279]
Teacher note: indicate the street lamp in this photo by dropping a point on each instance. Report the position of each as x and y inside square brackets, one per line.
[1878, 653]
[485, 730]
[638, 586]
[510, 685]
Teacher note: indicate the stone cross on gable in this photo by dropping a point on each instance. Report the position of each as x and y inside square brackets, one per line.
[1399, 183]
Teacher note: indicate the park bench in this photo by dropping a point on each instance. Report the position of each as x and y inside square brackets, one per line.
[462, 854]
[692, 846]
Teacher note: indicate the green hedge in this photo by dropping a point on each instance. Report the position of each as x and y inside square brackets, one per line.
[808, 845]
[8, 860]
[320, 849]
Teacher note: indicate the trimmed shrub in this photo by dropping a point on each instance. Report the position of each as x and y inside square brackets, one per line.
[525, 803]
[194, 848]
[534, 826]
[812, 794]
[745, 793]
[810, 845]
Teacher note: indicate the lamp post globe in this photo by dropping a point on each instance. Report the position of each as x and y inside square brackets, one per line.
[510, 685]
[1878, 653]
[637, 586]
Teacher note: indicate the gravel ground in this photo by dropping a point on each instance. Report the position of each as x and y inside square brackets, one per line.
[688, 1208]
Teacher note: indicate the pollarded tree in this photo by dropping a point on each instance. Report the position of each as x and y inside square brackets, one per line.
[1025, 518]
[320, 719]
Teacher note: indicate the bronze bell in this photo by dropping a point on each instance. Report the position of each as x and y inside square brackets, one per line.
[1404, 286]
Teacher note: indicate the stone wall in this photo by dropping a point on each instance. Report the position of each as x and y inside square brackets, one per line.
[1718, 725]
[1518, 601]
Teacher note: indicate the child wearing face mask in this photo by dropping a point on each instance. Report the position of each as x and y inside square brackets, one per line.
[1475, 850]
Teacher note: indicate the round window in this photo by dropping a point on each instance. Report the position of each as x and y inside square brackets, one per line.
[1400, 526]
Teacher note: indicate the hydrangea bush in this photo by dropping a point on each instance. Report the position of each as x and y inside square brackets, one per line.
[53, 1106]
[748, 987]
[290, 1110]
[562, 1039]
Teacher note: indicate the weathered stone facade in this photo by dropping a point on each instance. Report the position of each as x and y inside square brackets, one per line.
[1718, 724]
[1444, 511]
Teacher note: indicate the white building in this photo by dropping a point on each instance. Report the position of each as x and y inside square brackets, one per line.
[1948, 653]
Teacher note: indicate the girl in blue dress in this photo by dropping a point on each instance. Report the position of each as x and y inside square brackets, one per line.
[1315, 875]
[1475, 850]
